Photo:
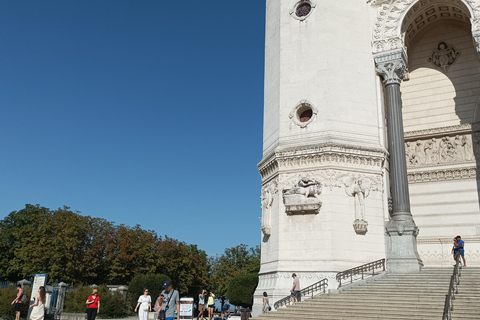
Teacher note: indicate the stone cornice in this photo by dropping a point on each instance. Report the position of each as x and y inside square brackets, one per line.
[442, 131]
[324, 154]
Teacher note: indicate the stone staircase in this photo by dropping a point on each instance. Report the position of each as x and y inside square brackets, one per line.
[394, 296]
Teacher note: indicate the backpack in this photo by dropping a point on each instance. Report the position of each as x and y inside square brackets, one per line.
[24, 297]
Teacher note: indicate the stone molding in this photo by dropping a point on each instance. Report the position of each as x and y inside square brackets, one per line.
[442, 131]
[387, 33]
[443, 175]
[325, 154]
[446, 240]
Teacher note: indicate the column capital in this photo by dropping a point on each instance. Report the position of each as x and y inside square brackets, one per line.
[391, 65]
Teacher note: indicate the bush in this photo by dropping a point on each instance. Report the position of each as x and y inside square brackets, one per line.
[154, 284]
[241, 289]
[7, 310]
[112, 304]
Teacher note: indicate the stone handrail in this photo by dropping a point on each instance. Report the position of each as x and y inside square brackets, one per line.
[317, 288]
[452, 290]
[361, 272]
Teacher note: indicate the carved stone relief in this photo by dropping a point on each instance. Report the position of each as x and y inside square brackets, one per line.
[445, 150]
[444, 56]
[388, 30]
[303, 198]
[301, 195]
[268, 195]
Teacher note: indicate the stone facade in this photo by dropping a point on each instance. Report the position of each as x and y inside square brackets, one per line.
[334, 71]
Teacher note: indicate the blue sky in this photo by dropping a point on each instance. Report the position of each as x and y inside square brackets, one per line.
[138, 112]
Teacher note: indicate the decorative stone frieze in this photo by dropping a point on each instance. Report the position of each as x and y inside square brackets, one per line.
[443, 174]
[322, 155]
[331, 179]
[440, 151]
[303, 198]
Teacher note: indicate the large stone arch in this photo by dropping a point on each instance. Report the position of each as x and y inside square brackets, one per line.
[394, 17]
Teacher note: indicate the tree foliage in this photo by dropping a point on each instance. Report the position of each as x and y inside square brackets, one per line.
[233, 262]
[241, 289]
[152, 282]
[82, 250]
[112, 304]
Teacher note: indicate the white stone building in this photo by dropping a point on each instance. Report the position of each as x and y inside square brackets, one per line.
[335, 151]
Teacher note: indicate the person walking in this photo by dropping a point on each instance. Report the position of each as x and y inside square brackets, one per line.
[145, 304]
[171, 301]
[201, 304]
[38, 311]
[211, 305]
[93, 305]
[266, 305]
[18, 302]
[295, 292]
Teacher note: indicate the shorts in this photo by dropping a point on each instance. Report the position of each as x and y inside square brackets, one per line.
[457, 251]
[211, 306]
[18, 307]
[201, 308]
[169, 318]
[295, 294]
[224, 311]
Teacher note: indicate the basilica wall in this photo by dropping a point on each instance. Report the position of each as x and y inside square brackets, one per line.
[440, 100]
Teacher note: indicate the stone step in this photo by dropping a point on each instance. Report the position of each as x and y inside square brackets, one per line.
[393, 296]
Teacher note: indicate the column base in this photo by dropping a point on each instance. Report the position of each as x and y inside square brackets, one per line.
[402, 254]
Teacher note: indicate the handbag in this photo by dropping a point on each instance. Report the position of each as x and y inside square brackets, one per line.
[146, 309]
[162, 315]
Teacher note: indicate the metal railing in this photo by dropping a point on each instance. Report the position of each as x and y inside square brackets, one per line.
[360, 272]
[452, 290]
[315, 289]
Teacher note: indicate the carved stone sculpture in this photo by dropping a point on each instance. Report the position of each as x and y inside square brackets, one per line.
[359, 188]
[303, 198]
[444, 56]
[267, 202]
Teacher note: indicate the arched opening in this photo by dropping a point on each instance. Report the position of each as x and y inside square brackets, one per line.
[439, 100]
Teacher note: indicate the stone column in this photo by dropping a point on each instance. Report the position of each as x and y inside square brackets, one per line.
[401, 230]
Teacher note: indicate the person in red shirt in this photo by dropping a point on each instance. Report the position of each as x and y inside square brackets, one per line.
[93, 305]
[18, 302]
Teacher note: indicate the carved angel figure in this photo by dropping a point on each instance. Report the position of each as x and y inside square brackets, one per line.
[444, 56]
[359, 189]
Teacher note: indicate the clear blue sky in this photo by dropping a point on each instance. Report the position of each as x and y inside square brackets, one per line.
[138, 112]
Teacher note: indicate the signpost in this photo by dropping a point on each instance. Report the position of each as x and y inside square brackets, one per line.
[39, 281]
[186, 308]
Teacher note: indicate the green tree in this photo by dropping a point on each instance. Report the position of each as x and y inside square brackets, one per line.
[186, 265]
[233, 262]
[25, 238]
[241, 289]
[152, 282]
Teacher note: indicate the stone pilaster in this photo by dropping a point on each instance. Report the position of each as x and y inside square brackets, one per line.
[402, 255]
